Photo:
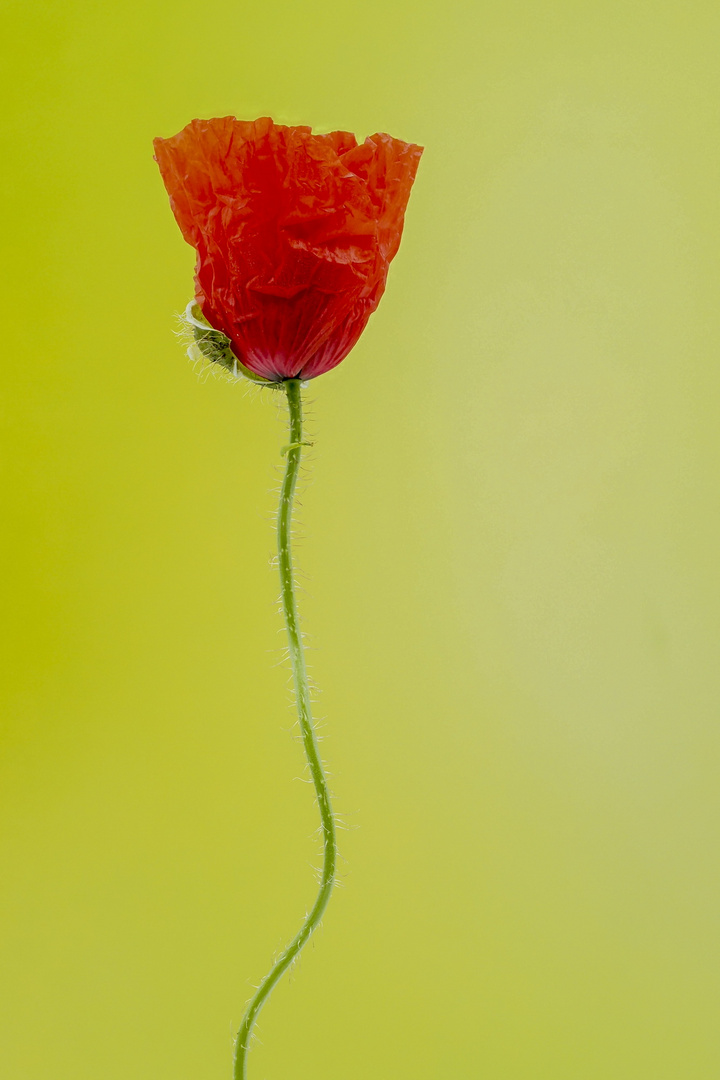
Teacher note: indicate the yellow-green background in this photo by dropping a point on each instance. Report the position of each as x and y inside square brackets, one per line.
[511, 549]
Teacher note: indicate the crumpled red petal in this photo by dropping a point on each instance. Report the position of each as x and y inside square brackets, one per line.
[294, 233]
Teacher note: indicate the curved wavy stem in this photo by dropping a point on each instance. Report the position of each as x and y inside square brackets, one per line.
[302, 693]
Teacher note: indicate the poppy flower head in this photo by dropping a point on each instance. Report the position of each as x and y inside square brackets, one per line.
[294, 234]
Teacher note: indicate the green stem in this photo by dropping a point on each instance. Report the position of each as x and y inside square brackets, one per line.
[302, 694]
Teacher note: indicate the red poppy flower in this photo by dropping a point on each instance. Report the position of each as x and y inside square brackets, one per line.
[294, 233]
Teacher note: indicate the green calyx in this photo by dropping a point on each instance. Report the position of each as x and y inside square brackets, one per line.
[213, 345]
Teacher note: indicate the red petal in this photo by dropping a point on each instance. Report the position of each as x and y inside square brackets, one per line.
[293, 231]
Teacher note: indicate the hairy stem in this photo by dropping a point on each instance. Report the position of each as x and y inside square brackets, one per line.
[302, 694]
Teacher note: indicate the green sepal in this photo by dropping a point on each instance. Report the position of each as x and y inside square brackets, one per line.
[215, 346]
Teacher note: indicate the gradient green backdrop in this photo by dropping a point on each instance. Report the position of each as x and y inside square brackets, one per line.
[511, 559]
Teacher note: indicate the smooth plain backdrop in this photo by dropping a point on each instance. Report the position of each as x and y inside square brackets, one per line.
[510, 559]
